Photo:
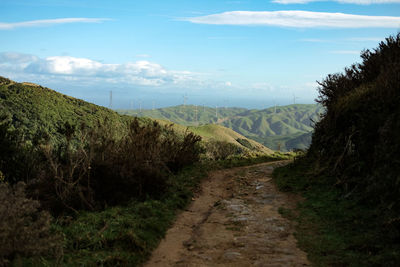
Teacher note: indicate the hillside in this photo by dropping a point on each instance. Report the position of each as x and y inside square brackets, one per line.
[221, 133]
[350, 175]
[283, 127]
[186, 115]
[35, 109]
[83, 185]
[214, 132]
[279, 127]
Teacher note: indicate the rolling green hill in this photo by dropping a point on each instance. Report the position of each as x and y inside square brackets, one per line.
[35, 109]
[283, 127]
[221, 133]
[186, 115]
[214, 132]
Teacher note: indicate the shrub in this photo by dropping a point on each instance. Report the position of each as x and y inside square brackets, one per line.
[94, 168]
[180, 151]
[220, 150]
[245, 143]
[24, 230]
[356, 144]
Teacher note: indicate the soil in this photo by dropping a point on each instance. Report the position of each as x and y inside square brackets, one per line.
[233, 221]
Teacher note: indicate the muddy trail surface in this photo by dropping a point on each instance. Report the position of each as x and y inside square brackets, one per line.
[233, 221]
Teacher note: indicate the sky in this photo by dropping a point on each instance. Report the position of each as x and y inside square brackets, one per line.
[252, 54]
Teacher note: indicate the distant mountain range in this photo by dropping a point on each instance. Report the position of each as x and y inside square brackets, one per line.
[282, 127]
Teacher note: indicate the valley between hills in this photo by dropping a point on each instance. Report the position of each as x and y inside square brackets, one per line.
[281, 128]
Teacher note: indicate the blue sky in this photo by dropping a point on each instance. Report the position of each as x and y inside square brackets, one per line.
[235, 53]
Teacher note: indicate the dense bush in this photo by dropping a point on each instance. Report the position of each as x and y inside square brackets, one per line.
[93, 167]
[24, 230]
[357, 141]
[220, 150]
[245, 143]
[10, 151]
[180, 151]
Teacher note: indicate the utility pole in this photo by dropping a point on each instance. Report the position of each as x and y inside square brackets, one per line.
[153, 105]
[140, 106]
[184, 102]
[195, 112]
[216, 112]
[110, 103]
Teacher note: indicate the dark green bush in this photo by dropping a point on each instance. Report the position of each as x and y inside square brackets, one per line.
[24, 230]
[245, 143]
[356, 144]
[180, 151]
[221, 150]
[93, 167]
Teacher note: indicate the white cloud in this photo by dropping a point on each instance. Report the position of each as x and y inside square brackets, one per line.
[357, 2]
[143, 56]
[366, 39]
[297, 19]
[48, 22]
[87, 70]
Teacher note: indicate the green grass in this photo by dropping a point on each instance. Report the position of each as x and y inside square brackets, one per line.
[332, 229]
[222, 134]
[247, 161]
[123, 235]
[37, 110]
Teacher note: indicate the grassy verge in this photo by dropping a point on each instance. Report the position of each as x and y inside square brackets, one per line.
[245, 161]
[126, 235]
[123, 235]
[334, 230]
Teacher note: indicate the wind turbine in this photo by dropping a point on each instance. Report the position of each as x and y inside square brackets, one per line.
[110, 103]
[294, 98]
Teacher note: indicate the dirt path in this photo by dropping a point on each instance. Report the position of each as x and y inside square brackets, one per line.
[233, 221]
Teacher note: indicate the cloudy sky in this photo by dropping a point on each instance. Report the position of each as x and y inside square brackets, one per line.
[249, 53]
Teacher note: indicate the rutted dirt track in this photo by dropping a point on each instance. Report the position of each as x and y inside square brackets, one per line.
[233, 221]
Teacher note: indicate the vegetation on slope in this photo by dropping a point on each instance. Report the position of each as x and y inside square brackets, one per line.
[186, 114]
[283, 127]
[112, 183]
[219, 142]
[350, 176]
[223, 134]
[36, 110]
[89, 161]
